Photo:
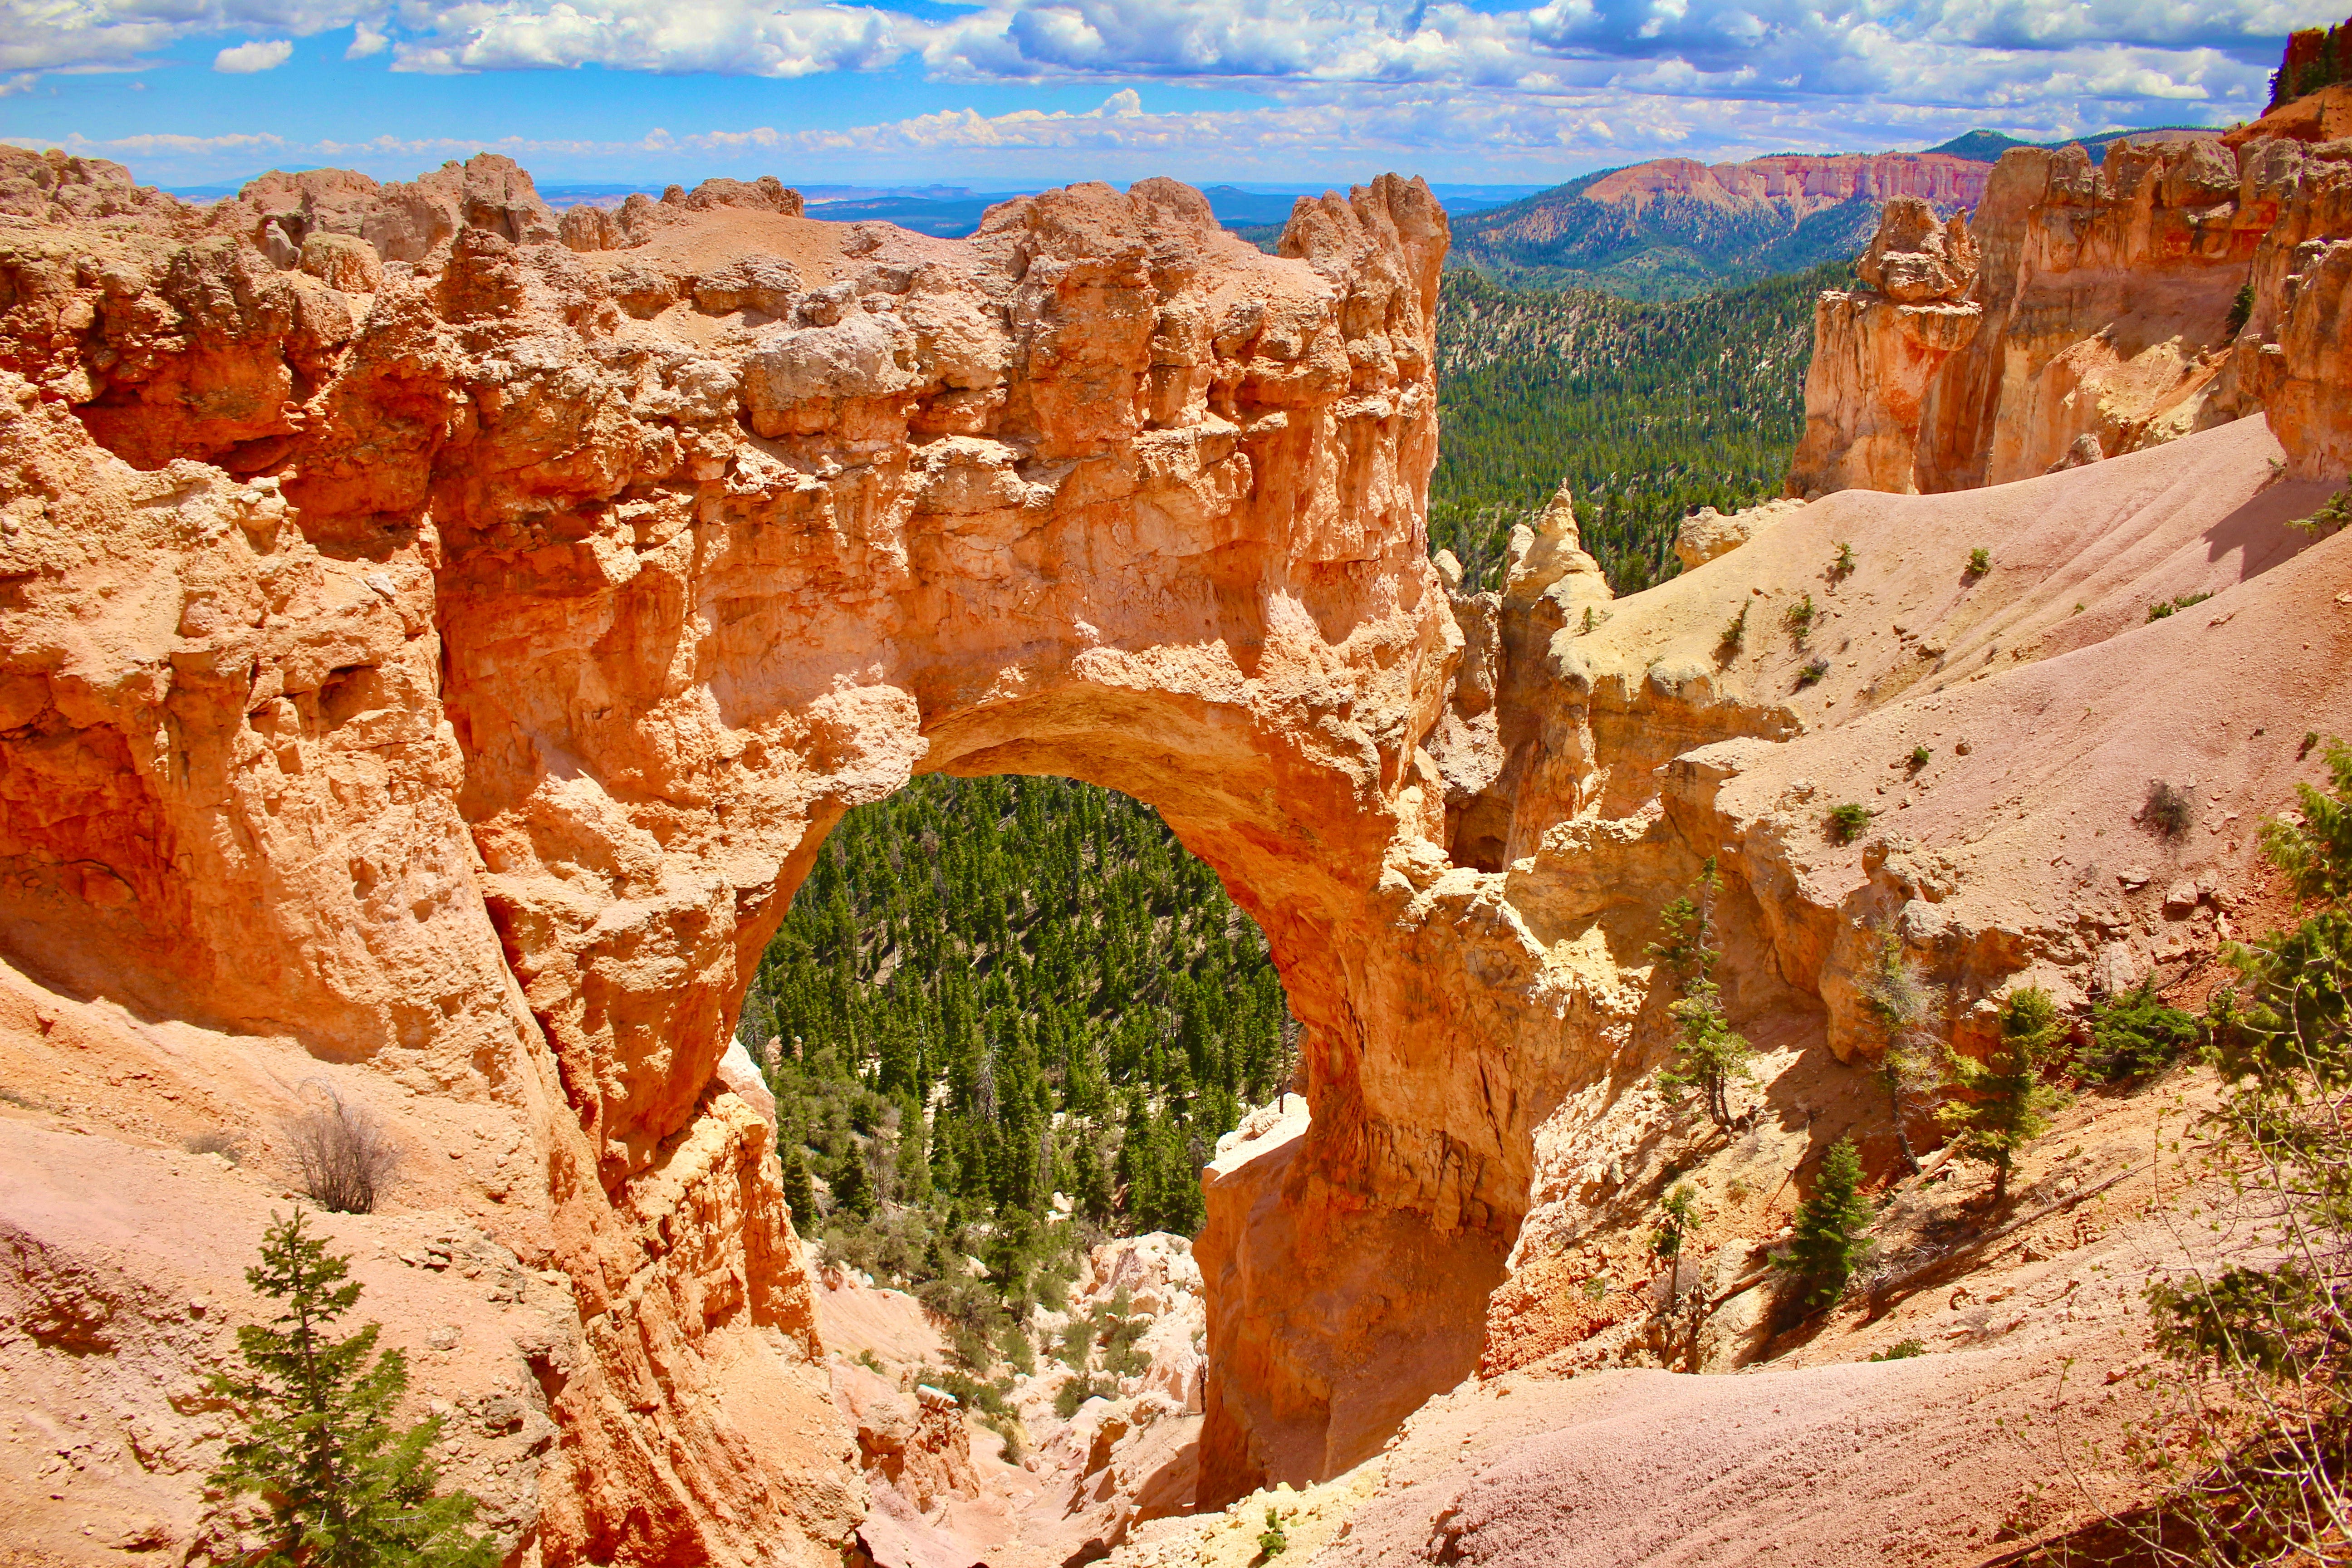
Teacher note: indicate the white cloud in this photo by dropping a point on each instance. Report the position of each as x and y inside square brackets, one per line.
[668, 35]
[243, 60]
[367, 39]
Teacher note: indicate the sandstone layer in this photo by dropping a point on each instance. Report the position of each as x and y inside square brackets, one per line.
[427, 678]
[441, 670]
[2093, 318]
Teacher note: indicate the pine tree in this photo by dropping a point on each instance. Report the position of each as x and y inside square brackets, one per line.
[800, 1196]
[1711, 1055]
[345, 1489]
[1674, 1214]
[2010, 1106]
[1901, 1004]
[1830, 1243]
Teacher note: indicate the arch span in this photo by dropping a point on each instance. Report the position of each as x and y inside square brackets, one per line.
[478, 736]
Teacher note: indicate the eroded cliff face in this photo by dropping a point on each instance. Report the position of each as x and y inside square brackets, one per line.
[2095, 320]
[428, 676]
[435, 651]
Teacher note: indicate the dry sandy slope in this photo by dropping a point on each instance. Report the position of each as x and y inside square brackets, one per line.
[2015, 848]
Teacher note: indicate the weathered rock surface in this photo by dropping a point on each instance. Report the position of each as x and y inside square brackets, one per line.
[436, 692]
[2080, 312]
[452, 681]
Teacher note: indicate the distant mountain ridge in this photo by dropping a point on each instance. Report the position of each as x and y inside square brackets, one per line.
[1987, 146]
[1675, 227]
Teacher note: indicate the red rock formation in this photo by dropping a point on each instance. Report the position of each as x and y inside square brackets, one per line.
[458, 678]
[1804, 185]
[2098, 323]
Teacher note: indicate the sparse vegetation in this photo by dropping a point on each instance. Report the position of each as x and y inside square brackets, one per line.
[1920, 756]
[1842, 566]
[2333, 514]
[1903, 1006]
[1847, 823]
[2008, 1106]
[1979, 562]
[1799, 618]
[2177, 602]
[1811, 674]
[1901, 1350]
[2168, 809]
[217, 1141]
[343, 1487]
[2241, 310]
[1710, 1056]
[1271, 1541]
[2256, 1447]
[1830, 1241]
[2135, 1035]
[346, 1159]
[1734, 638]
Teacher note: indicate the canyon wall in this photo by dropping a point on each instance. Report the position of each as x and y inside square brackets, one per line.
[439, 635]
[2098, 322]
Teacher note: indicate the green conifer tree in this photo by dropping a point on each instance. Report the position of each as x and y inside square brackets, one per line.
[1829, 1243]
[799, 1194]
[2010, 1106]
[1711, 1055]
[344, 1488]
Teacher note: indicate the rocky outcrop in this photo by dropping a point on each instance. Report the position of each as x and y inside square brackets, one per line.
[1877, 348]
[448, 684]
[2097, 315]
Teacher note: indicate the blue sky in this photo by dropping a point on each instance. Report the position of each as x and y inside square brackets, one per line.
[1025, 92]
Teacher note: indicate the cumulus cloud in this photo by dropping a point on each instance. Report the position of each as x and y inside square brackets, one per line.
[261, 54]
[1543, 79]
[667, 36]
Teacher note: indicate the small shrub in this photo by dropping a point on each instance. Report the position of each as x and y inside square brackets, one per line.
[1979, 562]
[217, 1141]
[2332, 515]
[1844, 565]
[346, 1159]
[2241, 310]
[2168, 809]
[1830, 1243]
[1271, 1541]
[1919, 755]
[1845, 823]
[1901, 1350]
[1078, 1391]
[2177, 602]
[1811, 674]
[1799, 618]
[2136, 1035]
[1735, 635]
[1596, 1288]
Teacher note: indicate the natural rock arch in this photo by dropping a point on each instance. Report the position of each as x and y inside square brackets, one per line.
[477, 737]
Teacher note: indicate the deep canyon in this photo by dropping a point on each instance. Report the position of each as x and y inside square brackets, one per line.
[438, 633]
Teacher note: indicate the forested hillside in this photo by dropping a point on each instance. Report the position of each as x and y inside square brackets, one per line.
[1647, 410]
[1039, 965]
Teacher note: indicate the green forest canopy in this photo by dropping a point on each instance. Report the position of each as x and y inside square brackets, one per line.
[1648, 411]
